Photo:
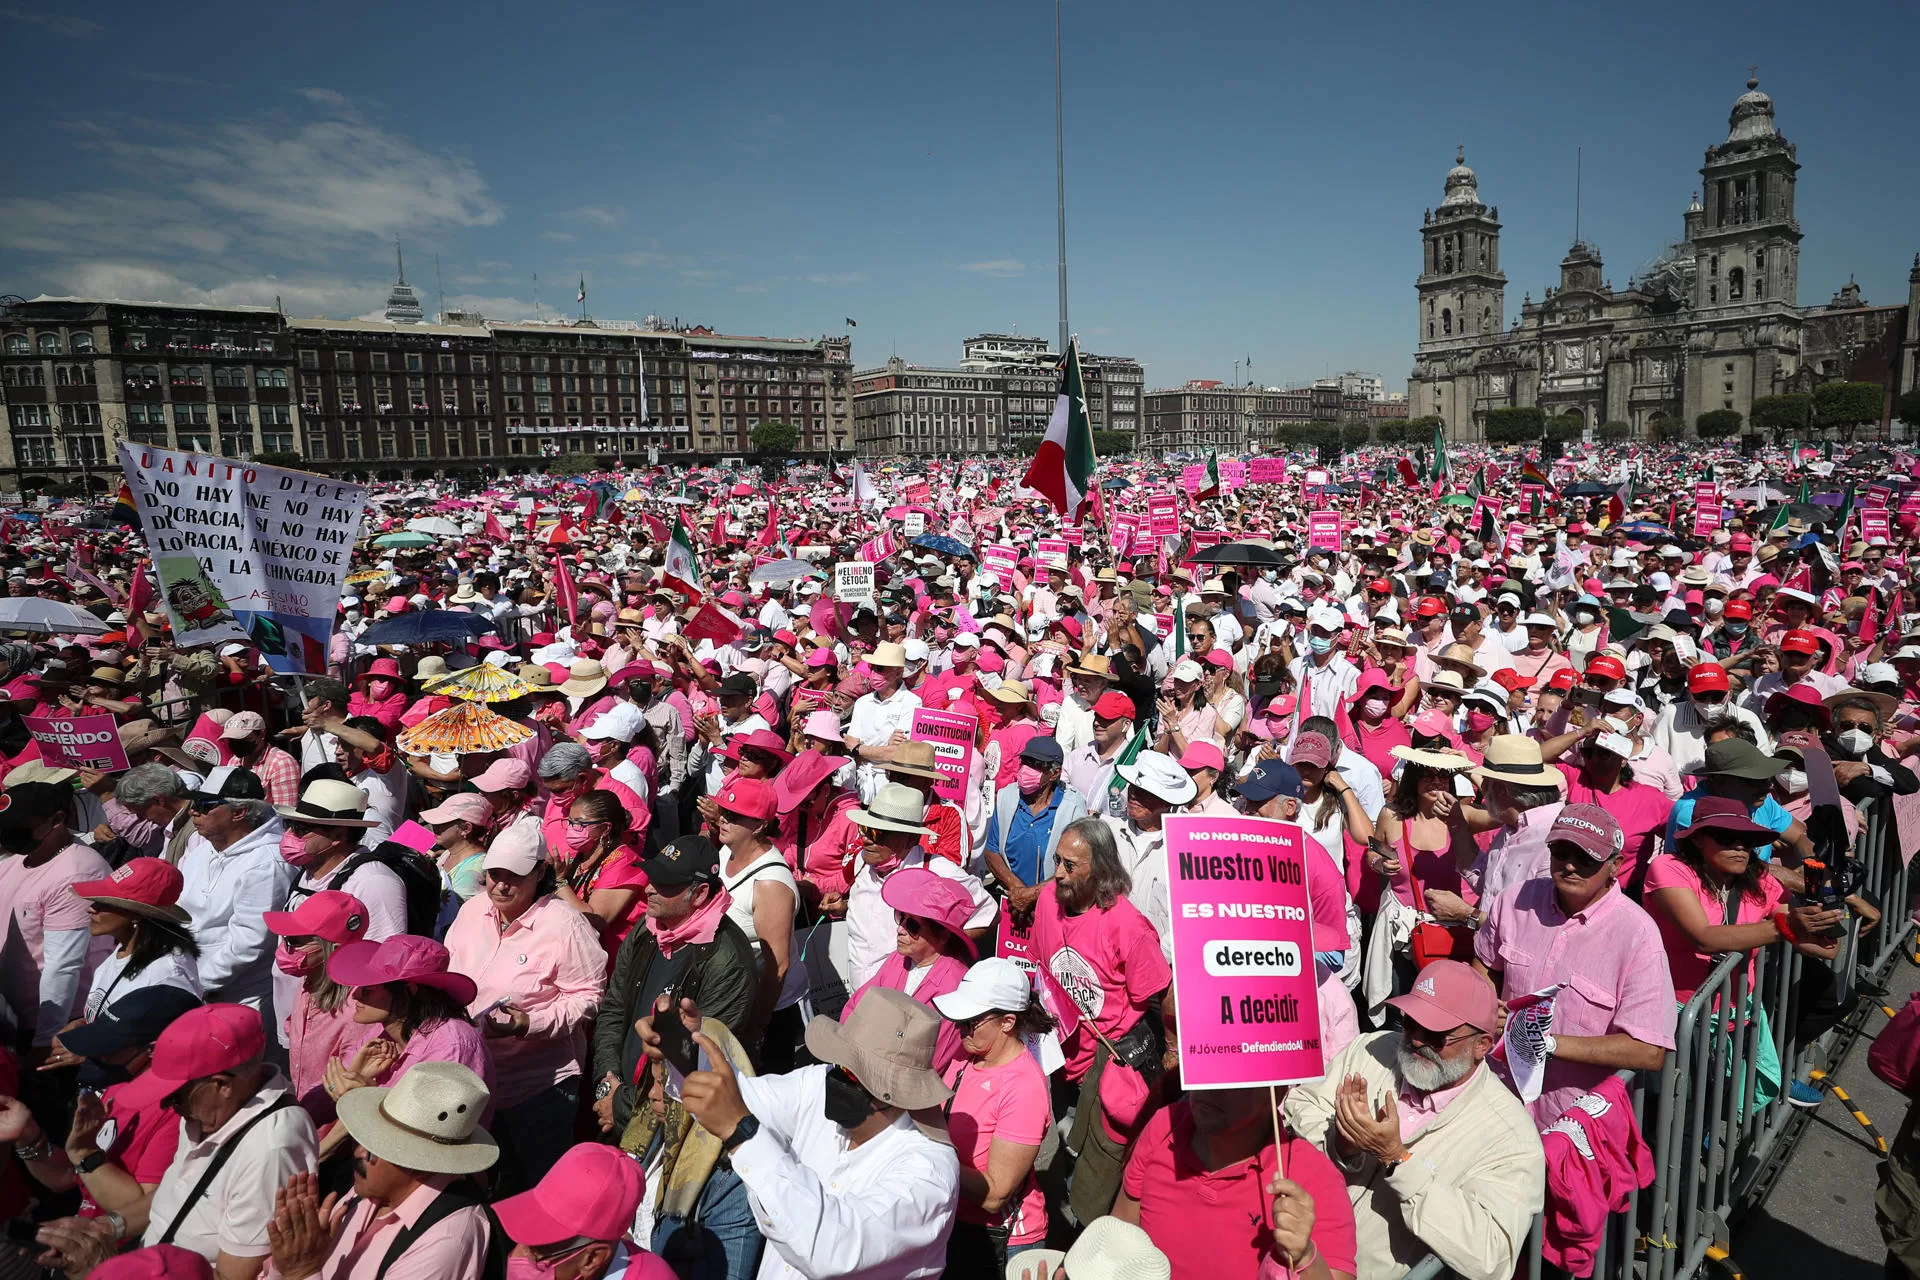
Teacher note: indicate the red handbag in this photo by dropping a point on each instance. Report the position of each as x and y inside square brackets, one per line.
[1432, 942]
[1896, 1051]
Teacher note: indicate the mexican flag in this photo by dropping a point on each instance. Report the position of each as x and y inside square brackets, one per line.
[1779, 519]
[1621, 502]
[1485, 530]
[1116, 789]
[1211, 487]
[680, 571]
[1062, 470]
[1440, 468]
[1477, 486]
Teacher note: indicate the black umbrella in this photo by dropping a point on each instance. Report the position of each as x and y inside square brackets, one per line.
[1871, 458]
[1587, 489]
[428, 626]
[1248, 553]
[1116, 483]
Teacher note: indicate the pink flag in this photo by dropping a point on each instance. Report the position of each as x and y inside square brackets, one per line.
[493, 528]
[1870, 620]
[565, 594]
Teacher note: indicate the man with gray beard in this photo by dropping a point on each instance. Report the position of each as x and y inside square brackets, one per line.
[1439, 1156]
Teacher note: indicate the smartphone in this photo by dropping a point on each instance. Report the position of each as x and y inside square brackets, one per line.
[676, 1042]
[491, 1009]
[22, 1231]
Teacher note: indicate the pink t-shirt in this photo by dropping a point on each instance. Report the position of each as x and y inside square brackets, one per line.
[1690, 967]
[1640, 809]
[1218, 1224]
[1109, 964]
[143, 1143]
[1009, 1102]
[42, 901]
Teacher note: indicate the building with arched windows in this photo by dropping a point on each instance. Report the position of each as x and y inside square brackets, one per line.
[1713, 322]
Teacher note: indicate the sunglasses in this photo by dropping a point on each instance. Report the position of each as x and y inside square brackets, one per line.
[1437, 1039]
[304, 828]
[207, 804]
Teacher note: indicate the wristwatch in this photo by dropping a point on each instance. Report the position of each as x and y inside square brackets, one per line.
[605, 1088]
[91, 1161]
[748, 1126]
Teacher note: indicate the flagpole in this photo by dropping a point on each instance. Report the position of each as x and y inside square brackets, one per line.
[1060, 175]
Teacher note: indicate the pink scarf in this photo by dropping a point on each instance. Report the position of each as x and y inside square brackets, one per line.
[697, 929]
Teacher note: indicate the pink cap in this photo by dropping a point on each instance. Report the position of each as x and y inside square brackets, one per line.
[824, 725]
[465, 807]
[1432, 724]
[1589, 827]
[1219, 658]
[915, 891]
[330, 914]
[160, 1262]
[591, 1192]
[200, 1042]
[404, 957]
[244, 725]
[1311, 748]
[748, 797]
[1449, 994]
[505, 775]
[821, 658]
[152, 881]
[1201, 754]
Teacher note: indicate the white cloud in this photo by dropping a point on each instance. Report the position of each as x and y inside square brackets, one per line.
[598, 214]
[749, 288]
[59, 24]
[838, 277]
[558, 237]
[999, 268]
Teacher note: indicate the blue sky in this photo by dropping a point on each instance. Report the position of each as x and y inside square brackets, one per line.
[1244, 179]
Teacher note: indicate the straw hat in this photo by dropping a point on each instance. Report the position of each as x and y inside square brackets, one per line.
[887, 1043]
[1514, 758]
[584, 678]
[328, 803]
[1460, 657]
[429, 1122]
[918, 759]
[888, 654]
[1431, 759]
[1093, 664]
[895, 807]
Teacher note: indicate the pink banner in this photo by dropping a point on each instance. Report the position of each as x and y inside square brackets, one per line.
[1873, 524]
[1517, 534]
[78, 742]
[1878, 495]
[952, 735]
[1267, 471]
[1192, 477]
[1323, 530]
[1233, 475]
[878, 549]
[1074, 536]
[1052, 547]
[1165, 515]
[1243, 975]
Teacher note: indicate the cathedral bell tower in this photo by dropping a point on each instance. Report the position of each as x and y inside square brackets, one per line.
[1747, 242]
[1461, 289]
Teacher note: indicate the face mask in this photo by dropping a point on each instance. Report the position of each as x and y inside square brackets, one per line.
[1735, 627]
[1714, 606]
[580, 838]
[19, 840]
[1270, 575]
[1373, 708]
[294, 849]
[846, 1105]
[379, 689]
[1320, 644]
[528, 1269]
[1029, 779]
[1478, 722]
[1794, 781]
[1854, 742]
[1583, 616]
[295, 964]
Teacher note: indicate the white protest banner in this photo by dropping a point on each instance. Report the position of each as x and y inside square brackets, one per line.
[916, 524]
[853, 582]
[246, 552]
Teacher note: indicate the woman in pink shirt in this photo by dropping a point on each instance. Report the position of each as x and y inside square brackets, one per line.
[1367, 727]
[816, 835]
[320, 1026]
[408, 1008]
[1604, 777]
[599, 868]
[1020, 722]
[931, 946]
[538, 968]
[1000, 1112]
[382, 694]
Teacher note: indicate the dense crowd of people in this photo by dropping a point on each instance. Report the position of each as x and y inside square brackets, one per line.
[634, 926]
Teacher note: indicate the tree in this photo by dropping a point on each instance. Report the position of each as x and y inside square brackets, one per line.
[572, 464]
[1664, 428]
[1565, 428]
[1847, 404]
[774, 438]
[1514, 426]
[1781, 415]
[1717, 424]
[1107, 443]
[1401, 430]
[1614, 430]
[281, 458]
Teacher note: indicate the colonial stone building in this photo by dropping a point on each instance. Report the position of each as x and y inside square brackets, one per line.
[1713, 323]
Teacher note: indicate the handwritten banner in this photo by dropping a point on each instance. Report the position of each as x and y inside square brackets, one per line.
[1243, 973]
[78, 742]
[1233, 475]
[1267, 471]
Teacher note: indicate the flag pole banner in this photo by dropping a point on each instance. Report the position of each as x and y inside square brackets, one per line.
[247, 553]
[1243, 969]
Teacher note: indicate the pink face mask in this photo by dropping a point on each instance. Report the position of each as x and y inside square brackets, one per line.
[1478, 722]
[295, 964]
[379, 690]
[294, 849]
[579, 837]
[1029, 779]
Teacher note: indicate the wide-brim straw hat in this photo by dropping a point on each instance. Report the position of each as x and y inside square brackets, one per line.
[916, 759]
[1513, 758]
[428, 1122]
[895, 807]
[1448, 760]
[328, 803]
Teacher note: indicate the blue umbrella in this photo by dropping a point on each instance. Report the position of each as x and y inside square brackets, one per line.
[941, 544]
[1645, 530]
[1116, 483]
[427, 626]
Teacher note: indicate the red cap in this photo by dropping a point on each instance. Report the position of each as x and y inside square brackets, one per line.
[1799, 642]
[1429, 608]
[1310, 748]
[1707, 677]
[590, 1193]
[748, 797]
[154, 882]
[200, 1042]
[1740, 542]
[1607, 667]
[1510, 679]
[1380, 586]
[1562, 679]
[338, 917]
[1740, 609]
[160, 1262]
[1113, 706]
[1595, 831]
[1449, 994]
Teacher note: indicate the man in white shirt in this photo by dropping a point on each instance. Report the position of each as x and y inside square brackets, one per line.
[1324, 677]
[231, 873]
[382, 773]
[895, 823]
[841, 1180]
[880, 718]
[737, 716]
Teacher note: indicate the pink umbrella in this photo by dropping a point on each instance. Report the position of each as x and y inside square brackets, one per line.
[741, 491]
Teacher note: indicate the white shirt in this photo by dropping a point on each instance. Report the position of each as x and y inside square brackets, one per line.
[225, 892]
[112, 982]
[879, 1211]
[874, 721]
[1771, 683]
[1679, 731]
[232, 1216]
[870, 932]
[386, 799]
[1325, 687]
[1144, 855]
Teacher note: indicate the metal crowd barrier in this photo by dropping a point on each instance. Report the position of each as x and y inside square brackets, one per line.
[1717, 1126]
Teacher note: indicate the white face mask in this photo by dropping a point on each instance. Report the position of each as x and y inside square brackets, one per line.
[1583, 616]
[1854, 742]
[1270, 575]
[1793, 781]
[1714, 605]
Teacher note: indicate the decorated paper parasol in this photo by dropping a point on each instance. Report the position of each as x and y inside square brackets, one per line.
[463, 729]
[359, 576]
[483, 682]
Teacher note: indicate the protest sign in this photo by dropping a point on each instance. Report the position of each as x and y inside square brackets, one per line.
[1267, 470]
[1164, 515]
[711, 622]
[853, 582]
[246, 552]
[78, 742]
[952, 735]
[916, 524]
[1878, 495]
[1873, 524]
[1706, 519]
[840, 505]
[1192, 477]
[1052, 551]
[919, 491]
[1323, 530]
[1910, 502]
[1316, 477]
[1074, 535]
[1517, 535]
[1243, 973]
[1233, 475]
[1015, 943]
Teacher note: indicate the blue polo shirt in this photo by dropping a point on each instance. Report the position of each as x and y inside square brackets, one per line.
[1770, 814]
[1027, 834]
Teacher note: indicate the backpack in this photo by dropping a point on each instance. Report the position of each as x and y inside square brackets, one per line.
[419, 877]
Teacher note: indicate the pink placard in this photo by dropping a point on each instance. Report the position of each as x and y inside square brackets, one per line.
[1164, 510]
[1015, 943]
[1323, 530]
[1192, 477]
[1706, 518]
[1910, 502]
[1878, 495]
[1233, 474]
[1267, 471]
[1051, 547]
[415, 836]
[1873, 524]
[1073, 536]
[952, 736]
[1517, 535]
[78, 742]
[1243, 974]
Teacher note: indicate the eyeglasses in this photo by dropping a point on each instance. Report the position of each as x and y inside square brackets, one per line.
[206, 804]
[1438, 1039]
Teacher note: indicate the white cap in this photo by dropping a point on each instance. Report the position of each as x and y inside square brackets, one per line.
[1187, 669]
[1877, 673]
[1538, 620]
[622, 721]
[993, 983]
[917, 650]
[1326, 619]
[1624, 697]
[966, 640]
[1660, 581]
[1508, 597]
